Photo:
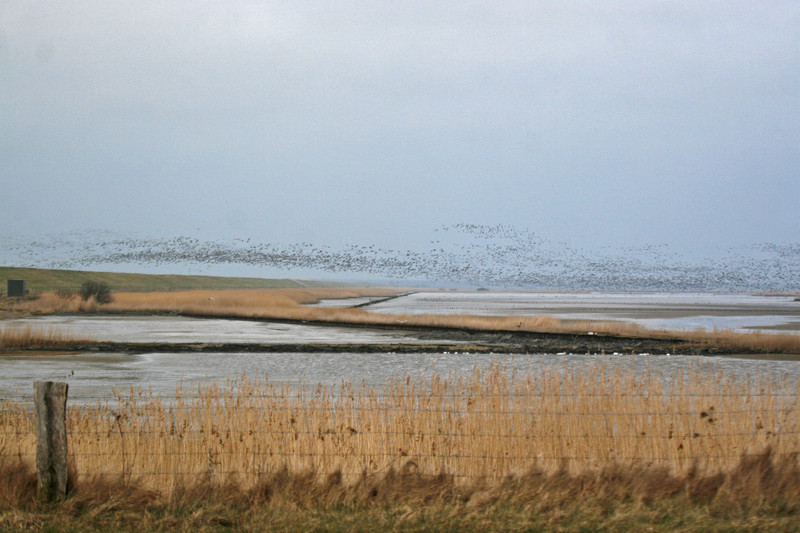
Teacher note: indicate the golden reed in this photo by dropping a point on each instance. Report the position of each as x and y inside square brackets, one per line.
[482, 427]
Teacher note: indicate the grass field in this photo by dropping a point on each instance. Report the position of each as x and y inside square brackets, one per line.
[41, 280]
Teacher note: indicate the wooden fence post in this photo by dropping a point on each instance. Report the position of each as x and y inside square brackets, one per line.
[50, 403]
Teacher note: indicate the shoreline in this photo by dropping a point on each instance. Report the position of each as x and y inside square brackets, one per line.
[429, 339]
[433, 329]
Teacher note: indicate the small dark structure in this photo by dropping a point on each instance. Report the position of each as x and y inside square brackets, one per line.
[16, 288]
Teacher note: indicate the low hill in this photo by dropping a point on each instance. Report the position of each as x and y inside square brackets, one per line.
[40, 280]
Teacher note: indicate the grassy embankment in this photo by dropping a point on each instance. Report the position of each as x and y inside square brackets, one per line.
[40, 280]
[585, 448]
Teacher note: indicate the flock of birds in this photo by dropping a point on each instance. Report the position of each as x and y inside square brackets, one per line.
[461, 255]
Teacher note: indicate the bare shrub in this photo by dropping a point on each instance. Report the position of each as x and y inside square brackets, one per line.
[99, 289]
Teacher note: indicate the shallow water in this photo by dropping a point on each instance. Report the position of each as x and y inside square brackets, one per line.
[120, 328]
[94, 376]
[679, 311]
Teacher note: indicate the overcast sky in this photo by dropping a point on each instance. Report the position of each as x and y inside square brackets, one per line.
[592, 123]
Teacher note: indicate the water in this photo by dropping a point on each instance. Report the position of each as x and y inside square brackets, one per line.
[96, 375]
[678, 311]
[168, 329]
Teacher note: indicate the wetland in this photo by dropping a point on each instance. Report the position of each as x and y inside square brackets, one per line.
[163, 351]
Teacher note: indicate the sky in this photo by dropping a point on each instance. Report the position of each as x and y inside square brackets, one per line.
[593, 124]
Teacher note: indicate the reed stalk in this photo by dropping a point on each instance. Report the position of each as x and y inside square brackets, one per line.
[487, 427]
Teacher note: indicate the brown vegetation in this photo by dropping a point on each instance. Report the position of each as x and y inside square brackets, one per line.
[760, 494]
[592, 444]
[28, 336]
[233, 302]
[486, 426]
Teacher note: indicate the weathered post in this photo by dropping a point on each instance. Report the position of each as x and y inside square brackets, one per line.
[50, 401]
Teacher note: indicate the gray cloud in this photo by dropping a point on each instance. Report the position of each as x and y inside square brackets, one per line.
[589, 123]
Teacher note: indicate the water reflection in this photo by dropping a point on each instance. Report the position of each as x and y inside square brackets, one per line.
[679, 311]
[185, 329]
[95, 376]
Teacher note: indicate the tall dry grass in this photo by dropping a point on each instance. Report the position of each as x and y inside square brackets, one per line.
[479, 428]
[48, 303]
[760, 493]
[234, 301]
[12, 337]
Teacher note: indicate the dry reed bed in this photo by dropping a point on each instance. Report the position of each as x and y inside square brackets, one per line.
[233, 300]
[12, 337]
[478, 428]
